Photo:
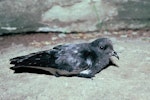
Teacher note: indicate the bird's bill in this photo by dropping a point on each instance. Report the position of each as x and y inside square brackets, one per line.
[115, 54]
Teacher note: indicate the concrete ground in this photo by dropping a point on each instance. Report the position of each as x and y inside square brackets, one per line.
[131, 81]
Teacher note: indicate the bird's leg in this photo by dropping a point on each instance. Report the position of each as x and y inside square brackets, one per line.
[57, 74]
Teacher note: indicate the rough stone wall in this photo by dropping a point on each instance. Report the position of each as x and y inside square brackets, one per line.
[17, 16]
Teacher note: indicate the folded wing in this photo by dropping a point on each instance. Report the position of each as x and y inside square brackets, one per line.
[64, 59]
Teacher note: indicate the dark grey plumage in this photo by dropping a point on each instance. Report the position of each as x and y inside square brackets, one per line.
[84, 60]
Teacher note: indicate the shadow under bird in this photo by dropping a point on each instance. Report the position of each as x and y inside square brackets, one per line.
[83, 60]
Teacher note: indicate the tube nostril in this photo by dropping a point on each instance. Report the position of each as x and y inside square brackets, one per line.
[115, 54]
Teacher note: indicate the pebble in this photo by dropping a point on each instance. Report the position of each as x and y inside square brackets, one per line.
[107, 33]
[46, 42]
[134, 33]
[62, 35]
[115, 33]
[124, 36]
[54, 38]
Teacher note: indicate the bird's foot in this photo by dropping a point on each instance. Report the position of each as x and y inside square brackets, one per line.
[85, 75]
[57, 74]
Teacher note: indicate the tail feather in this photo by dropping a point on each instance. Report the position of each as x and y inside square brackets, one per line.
[16, 59]
[35, 59]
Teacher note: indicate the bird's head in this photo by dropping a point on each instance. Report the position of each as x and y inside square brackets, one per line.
[103, 46]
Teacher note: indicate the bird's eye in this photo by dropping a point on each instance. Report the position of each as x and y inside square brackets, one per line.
[101, 47]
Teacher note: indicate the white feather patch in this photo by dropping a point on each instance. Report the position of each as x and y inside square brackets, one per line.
[86, 71]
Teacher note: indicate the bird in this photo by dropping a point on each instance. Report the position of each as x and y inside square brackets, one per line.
[82, 60]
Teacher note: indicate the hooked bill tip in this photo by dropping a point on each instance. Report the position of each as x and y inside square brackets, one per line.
[115, 54]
